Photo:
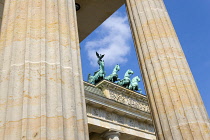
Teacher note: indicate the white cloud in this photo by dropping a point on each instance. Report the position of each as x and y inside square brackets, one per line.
[112, 39]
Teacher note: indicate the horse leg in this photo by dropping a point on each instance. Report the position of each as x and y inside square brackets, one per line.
[126, 86]
[112, 79]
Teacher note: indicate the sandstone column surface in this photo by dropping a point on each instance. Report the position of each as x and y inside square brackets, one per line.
[177, 108]
[41, 88]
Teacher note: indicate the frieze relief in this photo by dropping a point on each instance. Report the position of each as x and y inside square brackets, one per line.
[115, 118]
[128, 100]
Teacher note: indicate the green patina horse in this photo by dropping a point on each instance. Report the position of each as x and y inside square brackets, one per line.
[100, 74]
[134, 84]
[114, 76]
[126, 81]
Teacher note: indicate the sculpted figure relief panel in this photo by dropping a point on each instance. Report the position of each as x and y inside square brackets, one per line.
[128, 100]
[118, 119]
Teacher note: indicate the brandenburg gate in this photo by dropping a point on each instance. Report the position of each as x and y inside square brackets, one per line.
[41, 86]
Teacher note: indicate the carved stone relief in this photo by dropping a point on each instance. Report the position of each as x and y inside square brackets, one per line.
[118, 119]
[128, 100]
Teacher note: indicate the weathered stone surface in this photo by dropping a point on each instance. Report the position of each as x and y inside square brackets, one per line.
[176, 105]
[41, 88]
[106, 113]
[124, 95]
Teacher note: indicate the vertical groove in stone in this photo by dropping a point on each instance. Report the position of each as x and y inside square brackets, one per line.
[41, 89]
[173, 91]
[5, 73]
[26, 94]
[60, 110]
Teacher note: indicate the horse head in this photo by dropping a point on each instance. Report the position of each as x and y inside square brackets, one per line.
[117, 67]
[128, 73]
[136, 79]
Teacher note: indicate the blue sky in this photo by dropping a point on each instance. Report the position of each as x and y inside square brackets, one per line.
[113, 38]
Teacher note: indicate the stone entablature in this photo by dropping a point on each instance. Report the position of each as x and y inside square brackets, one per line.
[121, 120]
[112, 107]
[124, 95]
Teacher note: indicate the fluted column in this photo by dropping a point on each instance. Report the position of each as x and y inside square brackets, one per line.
[176, 105]
[41, 88]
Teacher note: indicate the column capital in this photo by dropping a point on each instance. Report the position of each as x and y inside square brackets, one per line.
[111, 135]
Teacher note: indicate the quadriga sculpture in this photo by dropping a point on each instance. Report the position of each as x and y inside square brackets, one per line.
[126, 81]
[114, 76]
[99, 75]
[134, 84]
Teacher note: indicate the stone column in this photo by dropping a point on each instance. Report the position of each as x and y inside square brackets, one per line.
[41, 87]
[111, 135]
[175, 102]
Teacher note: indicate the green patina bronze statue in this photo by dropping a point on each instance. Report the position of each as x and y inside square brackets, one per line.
[134, 84]
[99, 74]
[126, 81]
[114, 76]
[100, 56]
